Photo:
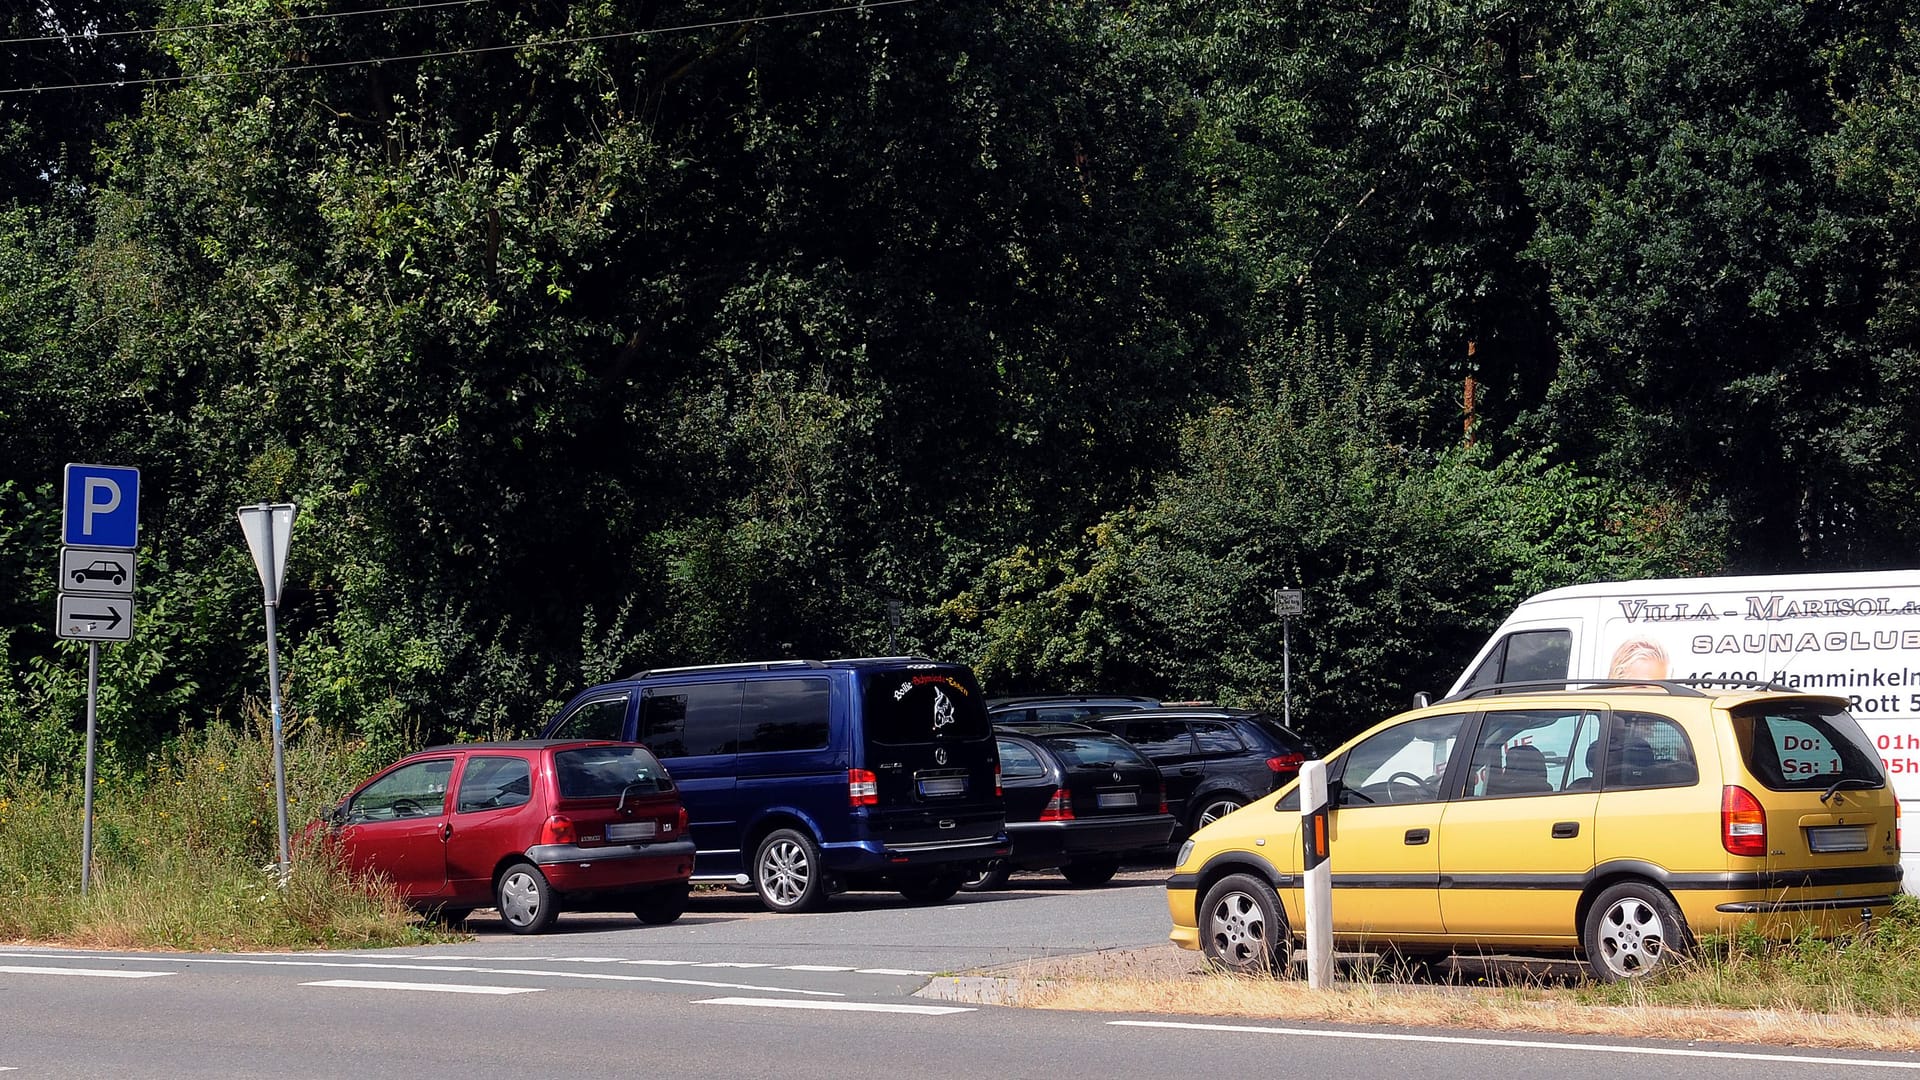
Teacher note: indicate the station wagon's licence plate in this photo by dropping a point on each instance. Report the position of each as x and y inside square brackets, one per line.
[1837, 838]
[1115, 800]
[944, 785]
[632, 830]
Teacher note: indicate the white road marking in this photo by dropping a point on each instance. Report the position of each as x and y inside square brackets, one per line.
[98, 973]
[813, 967]
[437, 988]
[731, 964]
[836, 1006]
[660, 963]
[1524, 1044]
[602, 976]
[892, 971]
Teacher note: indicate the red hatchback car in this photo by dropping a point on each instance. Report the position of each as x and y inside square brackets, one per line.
[527, 827]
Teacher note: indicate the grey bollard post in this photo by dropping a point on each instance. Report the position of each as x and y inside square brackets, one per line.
[1316, 839]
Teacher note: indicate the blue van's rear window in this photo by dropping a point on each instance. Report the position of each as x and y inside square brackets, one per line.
[923, 704]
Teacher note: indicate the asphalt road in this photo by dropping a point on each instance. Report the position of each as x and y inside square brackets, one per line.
[731, 991]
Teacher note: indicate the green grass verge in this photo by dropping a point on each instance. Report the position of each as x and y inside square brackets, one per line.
[1873, 973]
[185, 853]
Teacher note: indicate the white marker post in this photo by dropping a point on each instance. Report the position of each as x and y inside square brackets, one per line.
[1316, 841]
[268, 528]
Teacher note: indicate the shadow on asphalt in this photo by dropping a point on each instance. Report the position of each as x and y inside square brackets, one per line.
[716, 905]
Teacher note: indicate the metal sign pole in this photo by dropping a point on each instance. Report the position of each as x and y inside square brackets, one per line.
[273, 695]
[1286, 670]
[86, 811]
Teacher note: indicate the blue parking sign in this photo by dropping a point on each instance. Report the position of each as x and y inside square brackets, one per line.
[102, 506]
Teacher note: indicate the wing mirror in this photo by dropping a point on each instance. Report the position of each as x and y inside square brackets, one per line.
[1421, 700]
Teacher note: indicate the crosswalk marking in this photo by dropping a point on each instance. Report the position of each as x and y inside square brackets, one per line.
[837, 1006]
[98, 973]
[437, 988]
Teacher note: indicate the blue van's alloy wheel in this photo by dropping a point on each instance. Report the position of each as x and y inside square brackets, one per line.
[787, 872]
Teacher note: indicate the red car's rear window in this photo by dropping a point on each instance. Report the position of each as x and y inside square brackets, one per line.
[605, 771]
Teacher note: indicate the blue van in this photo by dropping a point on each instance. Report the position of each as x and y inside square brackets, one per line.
[803, 777]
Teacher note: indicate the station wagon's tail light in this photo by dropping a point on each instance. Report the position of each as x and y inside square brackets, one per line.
[1743, 822]
[1059, 808]
[559, 830]
[1286, 762]
[863, 788]
[997, 793]
[1163, 798]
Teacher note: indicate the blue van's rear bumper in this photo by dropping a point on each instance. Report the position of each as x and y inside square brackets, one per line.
[864, 856]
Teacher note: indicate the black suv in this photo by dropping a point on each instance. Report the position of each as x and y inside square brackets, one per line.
[1063, 708]
[1214, 760]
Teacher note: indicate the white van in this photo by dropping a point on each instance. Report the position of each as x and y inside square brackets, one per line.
[1851, 635]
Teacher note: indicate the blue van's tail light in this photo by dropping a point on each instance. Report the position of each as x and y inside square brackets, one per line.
[863, 788]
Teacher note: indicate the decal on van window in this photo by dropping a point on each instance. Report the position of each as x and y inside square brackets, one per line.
[905, 709]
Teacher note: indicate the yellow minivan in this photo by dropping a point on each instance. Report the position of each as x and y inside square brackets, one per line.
[1616, 821]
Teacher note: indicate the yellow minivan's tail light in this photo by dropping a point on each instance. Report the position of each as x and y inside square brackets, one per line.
[1743, 822]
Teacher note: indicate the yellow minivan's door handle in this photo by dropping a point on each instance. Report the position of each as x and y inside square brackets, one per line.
[1563, 830]
[1416, 836]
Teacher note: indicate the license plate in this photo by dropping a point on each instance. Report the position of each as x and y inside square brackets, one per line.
[632, 830]
[1837, 838]
[946, 785]
[1114, 800]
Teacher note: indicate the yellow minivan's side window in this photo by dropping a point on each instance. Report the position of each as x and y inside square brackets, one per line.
[1649, 751]
[1534, 752]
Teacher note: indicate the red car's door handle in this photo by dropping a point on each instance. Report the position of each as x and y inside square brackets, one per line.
[446, 830]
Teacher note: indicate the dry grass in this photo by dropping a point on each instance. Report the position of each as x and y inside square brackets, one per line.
[1168, 981]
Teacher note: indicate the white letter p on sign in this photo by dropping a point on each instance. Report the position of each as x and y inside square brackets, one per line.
[91, 505]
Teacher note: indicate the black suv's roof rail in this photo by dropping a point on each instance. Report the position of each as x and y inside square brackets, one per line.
[752, 665]
[1070, 699]
[1677, 687]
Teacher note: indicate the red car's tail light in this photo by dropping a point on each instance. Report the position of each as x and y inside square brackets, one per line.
[679, 825]
[863, 788]
[1743, 822]
[559, 830]
[1286, 762]
[1059, 808]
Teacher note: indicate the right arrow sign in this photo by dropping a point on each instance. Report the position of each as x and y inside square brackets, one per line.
[95, 618]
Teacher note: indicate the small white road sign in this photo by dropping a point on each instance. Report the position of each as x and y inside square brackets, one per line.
[95, 618]
[96, 571]
[269, 526]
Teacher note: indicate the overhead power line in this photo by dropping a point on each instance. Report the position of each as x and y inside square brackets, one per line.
[98, 34]
[583, 39]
